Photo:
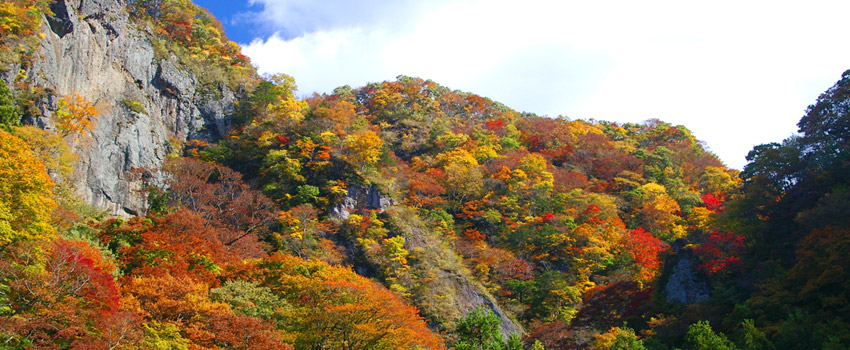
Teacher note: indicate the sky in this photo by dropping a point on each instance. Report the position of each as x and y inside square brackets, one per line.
[736, 73]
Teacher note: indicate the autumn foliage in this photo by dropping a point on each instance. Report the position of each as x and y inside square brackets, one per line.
[260, 240]
[75, 115]
[20, 21]
[721, 252]
[645, 250]
[550, 217]
[25, 193]
[335, 308]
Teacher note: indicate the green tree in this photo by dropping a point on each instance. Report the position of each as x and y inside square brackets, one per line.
[826, 126]
[803, 331]
[749, 337]
[700, 336]
[479, 330]
[250, 299]
[307, 194]
[833, 343]
[537, 345]
[9, 113]
[627, 341]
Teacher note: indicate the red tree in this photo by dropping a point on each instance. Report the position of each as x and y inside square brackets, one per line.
[712, 203]
[644, 248]
[721, 252]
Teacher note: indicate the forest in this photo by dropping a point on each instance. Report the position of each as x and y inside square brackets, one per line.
[570, 234]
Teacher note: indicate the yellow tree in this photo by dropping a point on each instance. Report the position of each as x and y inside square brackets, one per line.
[301, 227]
[659, 213]
[536, 183]
[539, 180]
[718, 181]
[364, 148]
[462, 175]
[25, 192]
[285, 111]
[50, 148]
[616, 338]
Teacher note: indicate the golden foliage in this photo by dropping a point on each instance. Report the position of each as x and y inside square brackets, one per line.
[336, 308]
[50, 148]
[364, 148]
[25, 193]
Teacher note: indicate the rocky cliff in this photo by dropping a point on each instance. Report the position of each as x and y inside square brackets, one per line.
[361, 198]
[147, 106]
[684, 284]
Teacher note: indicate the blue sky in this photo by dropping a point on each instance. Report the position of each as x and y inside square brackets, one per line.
[735, 73]
[235, 17]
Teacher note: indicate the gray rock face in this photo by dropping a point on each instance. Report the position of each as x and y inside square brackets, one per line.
[92, 49]
[474, 296]
[361, 198]
[685, 285]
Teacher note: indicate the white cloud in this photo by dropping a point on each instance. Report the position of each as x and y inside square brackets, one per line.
[736, 73]
[295, 18]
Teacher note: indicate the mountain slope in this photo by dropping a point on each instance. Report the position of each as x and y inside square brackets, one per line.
[397, 215]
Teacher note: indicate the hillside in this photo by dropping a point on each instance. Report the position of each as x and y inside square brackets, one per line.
[157, 193]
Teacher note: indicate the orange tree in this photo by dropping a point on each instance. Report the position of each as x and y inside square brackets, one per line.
[334, 308]
[74, 115]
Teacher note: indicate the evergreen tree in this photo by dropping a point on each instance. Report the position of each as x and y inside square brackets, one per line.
[9, 114]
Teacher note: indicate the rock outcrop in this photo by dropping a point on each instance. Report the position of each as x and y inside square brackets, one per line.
[684, 284]
[361, 198]
[145, 104]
